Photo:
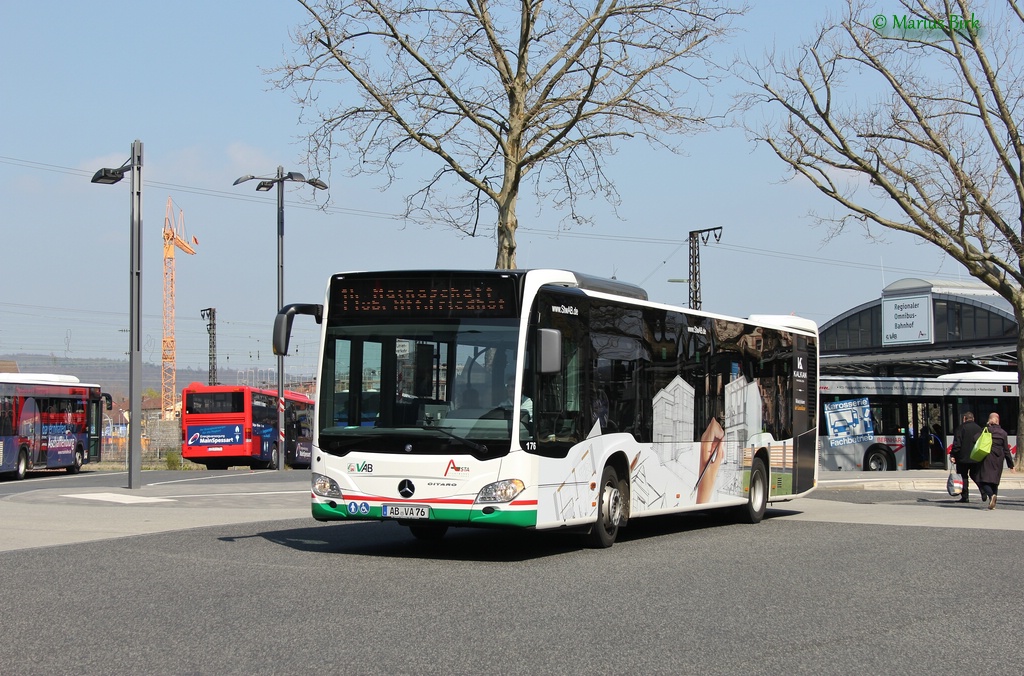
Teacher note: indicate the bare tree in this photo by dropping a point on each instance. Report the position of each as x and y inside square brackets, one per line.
[909, 121]
[496, 92]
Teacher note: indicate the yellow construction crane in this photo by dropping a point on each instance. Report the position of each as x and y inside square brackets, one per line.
[174, 238]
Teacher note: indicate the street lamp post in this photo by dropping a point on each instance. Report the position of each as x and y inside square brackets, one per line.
[108, 177]
[266, 183]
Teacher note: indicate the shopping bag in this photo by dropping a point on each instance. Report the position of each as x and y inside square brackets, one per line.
[955, 483]
[982, 447]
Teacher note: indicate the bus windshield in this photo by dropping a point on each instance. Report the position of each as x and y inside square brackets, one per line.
[420, 386]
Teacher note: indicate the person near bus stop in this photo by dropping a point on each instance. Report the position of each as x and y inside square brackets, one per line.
[990, 470]
[960, 452]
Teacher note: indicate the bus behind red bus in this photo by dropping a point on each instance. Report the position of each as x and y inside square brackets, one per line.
[49, 421]
[227, 425]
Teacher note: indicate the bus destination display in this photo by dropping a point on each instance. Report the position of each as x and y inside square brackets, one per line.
[428, 297]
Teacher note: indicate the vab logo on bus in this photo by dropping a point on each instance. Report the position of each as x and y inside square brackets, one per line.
[360, 468]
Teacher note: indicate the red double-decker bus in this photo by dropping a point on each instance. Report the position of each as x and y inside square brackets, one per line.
[227, 425]
[49, 421]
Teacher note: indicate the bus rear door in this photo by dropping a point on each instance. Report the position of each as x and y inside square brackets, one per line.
[926, 446]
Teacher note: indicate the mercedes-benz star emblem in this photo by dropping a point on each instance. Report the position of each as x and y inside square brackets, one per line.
[406, 489]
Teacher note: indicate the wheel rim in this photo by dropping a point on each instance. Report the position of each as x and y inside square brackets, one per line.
[876, 463]
[611, 503]
[757, 491]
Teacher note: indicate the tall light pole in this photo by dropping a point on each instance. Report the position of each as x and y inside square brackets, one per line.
[108, 177]
[266, 183]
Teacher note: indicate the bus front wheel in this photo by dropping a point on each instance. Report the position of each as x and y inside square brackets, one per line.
[757, 493]
[877, 460]
[76, 465]
[610, 510]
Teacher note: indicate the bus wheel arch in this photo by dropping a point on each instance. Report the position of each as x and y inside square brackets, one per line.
[757, 490]
[76, 463]
[879, 458]
[612, 503]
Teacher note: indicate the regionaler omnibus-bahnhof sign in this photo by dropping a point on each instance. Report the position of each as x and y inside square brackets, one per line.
[907, 320]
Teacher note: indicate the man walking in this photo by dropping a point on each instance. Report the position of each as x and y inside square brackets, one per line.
[990, 470]
[960, 453]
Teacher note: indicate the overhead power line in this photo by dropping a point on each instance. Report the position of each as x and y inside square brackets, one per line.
[552, 234]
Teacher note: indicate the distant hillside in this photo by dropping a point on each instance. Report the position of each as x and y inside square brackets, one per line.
[110, 374]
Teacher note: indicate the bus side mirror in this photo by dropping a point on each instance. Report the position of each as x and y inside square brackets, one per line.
[107, 399]
[549, 349]
[283, 323]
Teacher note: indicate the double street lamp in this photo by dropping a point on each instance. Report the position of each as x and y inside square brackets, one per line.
[266, 183]
[108, 177]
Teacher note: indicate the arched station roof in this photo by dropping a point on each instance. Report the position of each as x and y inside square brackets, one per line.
[922, 327]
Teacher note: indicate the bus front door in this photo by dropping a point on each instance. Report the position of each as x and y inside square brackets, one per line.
[30, 433]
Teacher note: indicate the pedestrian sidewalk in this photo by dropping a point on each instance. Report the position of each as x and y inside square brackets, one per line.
[57, 513]
[910, 480]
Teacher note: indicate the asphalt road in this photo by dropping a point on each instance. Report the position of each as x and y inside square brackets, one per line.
[225, 572]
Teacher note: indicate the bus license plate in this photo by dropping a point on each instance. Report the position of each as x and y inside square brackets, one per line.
[405, 511]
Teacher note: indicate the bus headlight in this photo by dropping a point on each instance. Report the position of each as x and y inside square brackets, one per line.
[501, 491]
[325, 486]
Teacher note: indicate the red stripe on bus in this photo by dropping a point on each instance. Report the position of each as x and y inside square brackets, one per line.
[431, 501]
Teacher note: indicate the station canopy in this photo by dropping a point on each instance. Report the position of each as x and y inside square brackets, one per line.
[922, 327]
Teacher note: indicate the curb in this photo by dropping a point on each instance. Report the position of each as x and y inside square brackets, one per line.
[908, 484]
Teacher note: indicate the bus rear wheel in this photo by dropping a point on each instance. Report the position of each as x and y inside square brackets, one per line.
[76, 465]
[757, 493]
[877, 460]
[610, 510]
[21, 469]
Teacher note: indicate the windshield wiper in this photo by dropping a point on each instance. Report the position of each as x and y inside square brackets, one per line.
[479, 448]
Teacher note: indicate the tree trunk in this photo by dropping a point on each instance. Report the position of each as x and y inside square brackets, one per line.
[1018, 313]
[507, 225]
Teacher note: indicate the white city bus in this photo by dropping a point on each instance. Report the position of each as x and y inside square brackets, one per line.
[884, 424]
[548, 399]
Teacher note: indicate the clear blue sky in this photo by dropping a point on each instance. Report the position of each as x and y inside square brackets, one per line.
[81, 81]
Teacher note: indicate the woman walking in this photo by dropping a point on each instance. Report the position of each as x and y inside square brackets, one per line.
[990, 470]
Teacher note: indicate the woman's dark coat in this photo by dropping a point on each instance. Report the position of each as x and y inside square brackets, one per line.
[991, 468]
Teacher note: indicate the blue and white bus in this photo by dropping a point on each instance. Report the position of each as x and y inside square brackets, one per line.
[49, 421]
[547, 399]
